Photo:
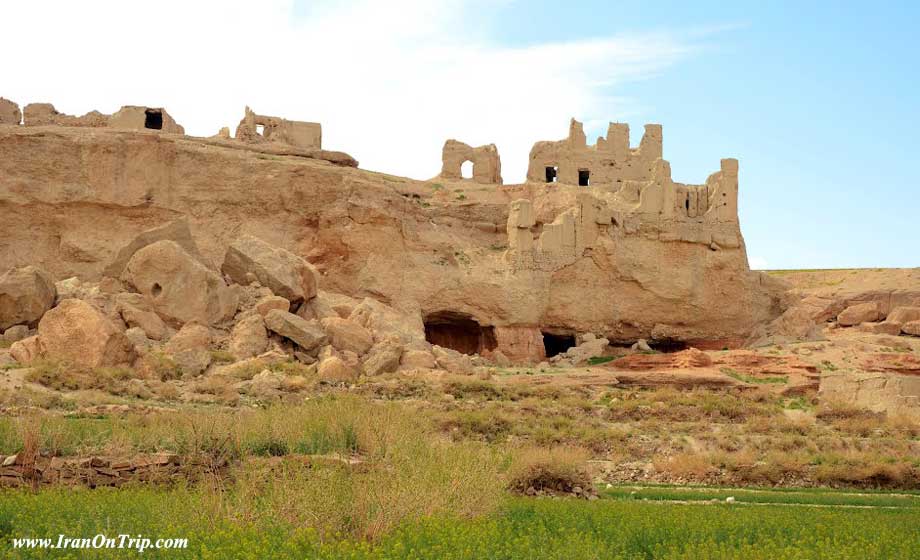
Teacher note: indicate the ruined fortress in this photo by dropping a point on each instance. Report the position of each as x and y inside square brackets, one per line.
[598, 241]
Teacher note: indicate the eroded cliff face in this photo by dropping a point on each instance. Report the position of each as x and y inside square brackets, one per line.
[71, 198]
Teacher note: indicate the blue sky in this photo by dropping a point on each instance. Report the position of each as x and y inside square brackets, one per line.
[818, 100]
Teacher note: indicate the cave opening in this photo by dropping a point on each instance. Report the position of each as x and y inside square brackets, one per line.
[153, 119]
[667, 345]
[554, 344]
[460, 332]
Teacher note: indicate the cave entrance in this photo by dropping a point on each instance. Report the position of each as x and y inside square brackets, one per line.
[668, 345]
[554, 344]
[552, 173]
[584, 178]
[460, 332]
[153, 119]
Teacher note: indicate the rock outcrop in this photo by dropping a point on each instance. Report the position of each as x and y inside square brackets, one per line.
[616, 259]
[859, 313]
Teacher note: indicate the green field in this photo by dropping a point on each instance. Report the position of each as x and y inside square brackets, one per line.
[520, 528]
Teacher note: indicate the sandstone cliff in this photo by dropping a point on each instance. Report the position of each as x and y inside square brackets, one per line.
[70, 198]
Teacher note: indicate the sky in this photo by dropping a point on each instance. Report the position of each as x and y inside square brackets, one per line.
[818, 100]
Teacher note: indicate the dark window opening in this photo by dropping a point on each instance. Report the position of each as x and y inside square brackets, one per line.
[551, 174]
[460, 332]
[153, 119]
[156, 289]
[584, 178]
[687, 204]
[667, 345]
[555, 344]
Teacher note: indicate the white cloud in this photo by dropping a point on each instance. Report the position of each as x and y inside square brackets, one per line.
[389, 81]
[758, 263]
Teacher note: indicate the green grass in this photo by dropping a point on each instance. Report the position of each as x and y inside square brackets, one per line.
[797, 496]
[522, 528]
[597, 360]
[751, 379]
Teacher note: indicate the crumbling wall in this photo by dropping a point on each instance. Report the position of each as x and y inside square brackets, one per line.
[561, 242]
[487, 165]
[145, 118]
[609, 162]
[44, 114]
[9, 112]
[130, 117]
[275, 129]
[639, 177]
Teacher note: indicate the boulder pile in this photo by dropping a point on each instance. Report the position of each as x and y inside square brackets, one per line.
[166, 312]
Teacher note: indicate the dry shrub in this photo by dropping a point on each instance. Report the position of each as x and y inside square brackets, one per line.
[295, 383]
[407, 472]
[165, 390]
[862, 426]
[64, 377]
[213, 385]
[775, 467]
[831, 411]
[875, 475]
[553, 469]
[159, 366]
[684, 465]
[904, 425]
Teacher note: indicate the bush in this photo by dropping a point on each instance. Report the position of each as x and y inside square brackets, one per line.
[557, 469]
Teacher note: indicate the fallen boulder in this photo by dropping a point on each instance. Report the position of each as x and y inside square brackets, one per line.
[904, 314]
[190, 348]
[178, 232]
[883, 327]
[76, 333]
[250, 259]
[135, 311]
[26, 350]
[383, 358]
[859, 313]
[26, 293]
[417, 359]
[15, 334]
[386, 322]
[334, 369]
[249, 337]
[181, 289]
[452, 361]
[911, 327]
[309, 335]
[348, 335]
[267, 303]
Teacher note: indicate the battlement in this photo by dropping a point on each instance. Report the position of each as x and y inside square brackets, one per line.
[638, 177]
